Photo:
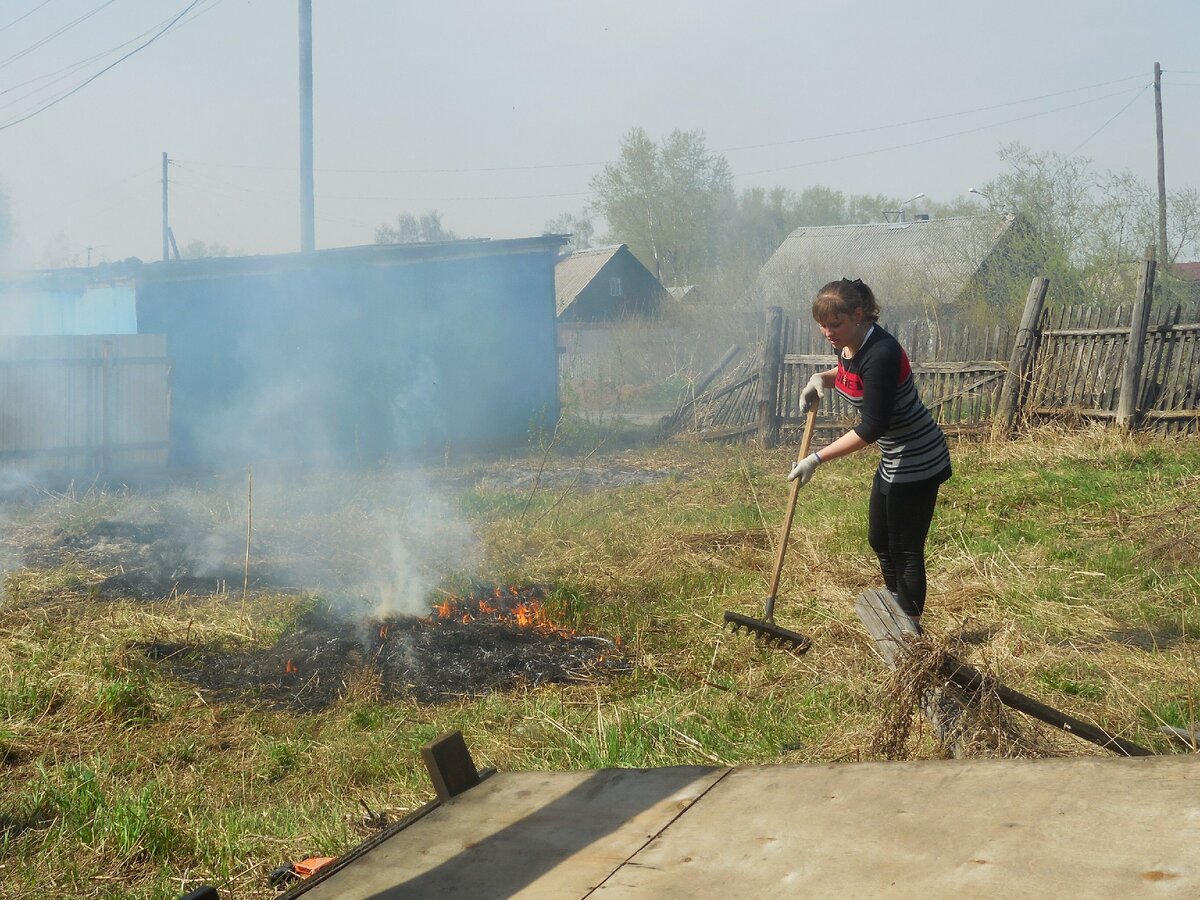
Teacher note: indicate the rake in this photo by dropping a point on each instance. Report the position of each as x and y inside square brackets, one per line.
[765, 630]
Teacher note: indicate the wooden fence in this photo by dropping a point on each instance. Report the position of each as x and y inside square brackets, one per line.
[1060, 363]
[84, 405]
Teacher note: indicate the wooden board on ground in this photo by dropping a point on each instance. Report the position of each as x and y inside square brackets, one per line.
[1004, 828]
[534, 834]
[1092, 827]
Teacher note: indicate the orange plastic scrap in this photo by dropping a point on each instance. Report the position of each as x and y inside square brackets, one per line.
[312, 865]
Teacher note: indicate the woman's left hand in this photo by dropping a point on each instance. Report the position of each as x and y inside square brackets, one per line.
[803, 470]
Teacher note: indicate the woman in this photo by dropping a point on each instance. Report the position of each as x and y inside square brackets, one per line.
[874, 375]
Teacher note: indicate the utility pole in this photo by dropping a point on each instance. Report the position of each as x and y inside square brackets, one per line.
[166, 227]
[1162, 171]
[308, 240]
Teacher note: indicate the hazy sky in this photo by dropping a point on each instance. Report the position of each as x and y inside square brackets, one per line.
[499, 114]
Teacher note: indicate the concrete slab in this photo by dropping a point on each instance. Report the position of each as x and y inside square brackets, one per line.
[1013, 828]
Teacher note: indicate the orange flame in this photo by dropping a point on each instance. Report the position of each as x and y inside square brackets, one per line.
[445, 610]
[383, 631]
[486, 609]
[291, 668]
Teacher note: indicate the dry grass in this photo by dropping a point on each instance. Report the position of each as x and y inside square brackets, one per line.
[1050, 569]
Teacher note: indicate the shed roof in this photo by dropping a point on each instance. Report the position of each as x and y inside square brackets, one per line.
[1189, 271]
[362, 255]
[574, 272]
[943, 253]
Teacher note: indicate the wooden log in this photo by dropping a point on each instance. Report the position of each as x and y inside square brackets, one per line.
[973, 682]
[768, 379]
[1019, 364]
[1127, 406]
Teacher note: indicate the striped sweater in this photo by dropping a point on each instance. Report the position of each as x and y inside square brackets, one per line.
[878, 382]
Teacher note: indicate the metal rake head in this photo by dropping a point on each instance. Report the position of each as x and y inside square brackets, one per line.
[767, 633]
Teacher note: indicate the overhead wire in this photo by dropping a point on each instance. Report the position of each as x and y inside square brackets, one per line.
[23, 16]
[84, 62]
[1114, 117]
[50, 103]
[4, 63]
[603, 162]
[576, 194]
[929, 140]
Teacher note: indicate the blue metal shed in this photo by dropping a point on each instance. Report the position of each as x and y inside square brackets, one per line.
[357, 353]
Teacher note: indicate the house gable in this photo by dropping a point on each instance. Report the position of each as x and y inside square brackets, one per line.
[603, 285]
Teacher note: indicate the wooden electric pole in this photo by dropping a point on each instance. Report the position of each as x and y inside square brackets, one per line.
[166, 227]
[308, 240]
[1162, 172]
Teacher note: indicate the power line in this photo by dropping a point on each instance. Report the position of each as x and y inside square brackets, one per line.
[24, 16]
[930, 140]
[857, 131]
[82, 85]
[604, 162]
[61, 31]
[1110, 121]
[83, 62]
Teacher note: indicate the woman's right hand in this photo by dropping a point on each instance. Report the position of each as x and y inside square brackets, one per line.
[810, 397]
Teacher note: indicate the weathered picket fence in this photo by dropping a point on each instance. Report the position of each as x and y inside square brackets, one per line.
[1067, 363]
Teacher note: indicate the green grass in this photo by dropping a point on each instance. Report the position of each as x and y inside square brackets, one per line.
[1070, 551]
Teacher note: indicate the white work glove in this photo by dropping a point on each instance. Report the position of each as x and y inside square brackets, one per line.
[811, 396]
[803, 470]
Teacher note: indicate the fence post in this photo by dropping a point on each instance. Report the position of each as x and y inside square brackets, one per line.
[768, 379]
[1131, 379]
[1019, 364]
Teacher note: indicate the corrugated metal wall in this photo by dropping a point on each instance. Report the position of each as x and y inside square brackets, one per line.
[84, 405]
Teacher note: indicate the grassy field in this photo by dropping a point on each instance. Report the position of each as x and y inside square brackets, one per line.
[1067, 564]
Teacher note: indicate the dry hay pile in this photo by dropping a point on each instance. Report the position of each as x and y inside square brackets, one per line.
[980, 726]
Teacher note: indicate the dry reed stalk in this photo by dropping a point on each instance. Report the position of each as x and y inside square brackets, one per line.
[249, 526]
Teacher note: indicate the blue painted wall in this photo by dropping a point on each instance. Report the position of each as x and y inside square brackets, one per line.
[356, 354]
[56, 305]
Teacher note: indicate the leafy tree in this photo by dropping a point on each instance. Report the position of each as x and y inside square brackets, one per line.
[197, 249]
[668, 201]
[578, 225]
[1091, 226]
[410, 229]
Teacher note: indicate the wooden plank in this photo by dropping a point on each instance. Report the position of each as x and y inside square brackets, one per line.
[1128, 406]
[1022, 358]
[449, 764]
[768, 379]
[1096, 828]
[891, 629]
[527, 834]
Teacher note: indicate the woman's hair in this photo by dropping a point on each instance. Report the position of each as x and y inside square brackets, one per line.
[842, 297]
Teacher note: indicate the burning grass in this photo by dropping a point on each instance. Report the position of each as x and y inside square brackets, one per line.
[493, 639]
[151, 735]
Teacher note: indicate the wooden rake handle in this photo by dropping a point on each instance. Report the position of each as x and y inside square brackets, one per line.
[809, 425]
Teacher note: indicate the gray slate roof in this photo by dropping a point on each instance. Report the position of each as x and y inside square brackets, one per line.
[575, 272]
[919, 261]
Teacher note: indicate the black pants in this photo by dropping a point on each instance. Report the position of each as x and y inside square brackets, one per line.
[897, 525]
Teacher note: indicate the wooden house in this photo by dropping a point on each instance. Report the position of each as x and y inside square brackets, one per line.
[605, 284]
[930, 267]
